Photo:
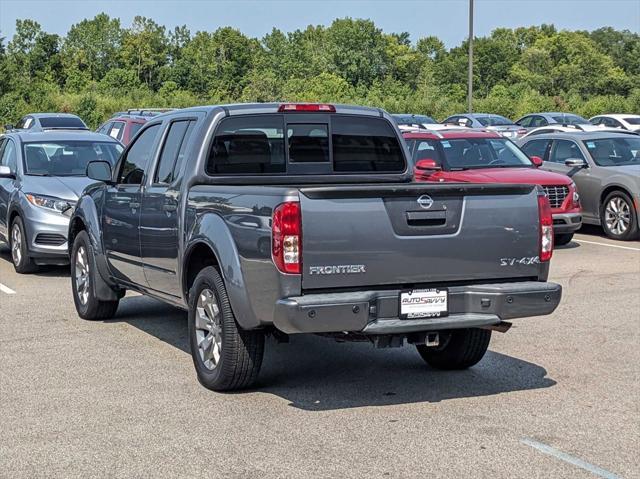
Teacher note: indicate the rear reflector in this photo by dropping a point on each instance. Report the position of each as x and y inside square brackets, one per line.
[306, 107]
[286, 237]
[546, 228]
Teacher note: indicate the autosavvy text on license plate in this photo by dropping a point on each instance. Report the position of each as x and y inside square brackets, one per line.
[424, 303]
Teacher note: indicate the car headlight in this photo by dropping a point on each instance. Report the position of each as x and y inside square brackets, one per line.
[51, 203]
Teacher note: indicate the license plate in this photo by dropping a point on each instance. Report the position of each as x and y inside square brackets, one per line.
[424, 303]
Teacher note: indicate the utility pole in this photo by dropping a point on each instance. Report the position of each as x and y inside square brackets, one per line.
[470, 81]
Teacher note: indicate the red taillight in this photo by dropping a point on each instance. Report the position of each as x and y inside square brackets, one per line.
[546, 228]
[319, 107]
[286, 237]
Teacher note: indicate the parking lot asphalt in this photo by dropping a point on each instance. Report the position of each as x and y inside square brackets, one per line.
[120, 398]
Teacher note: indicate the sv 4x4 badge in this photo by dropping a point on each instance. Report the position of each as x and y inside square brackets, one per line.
[515, 261]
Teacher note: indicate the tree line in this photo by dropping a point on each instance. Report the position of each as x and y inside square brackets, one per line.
[100, 67]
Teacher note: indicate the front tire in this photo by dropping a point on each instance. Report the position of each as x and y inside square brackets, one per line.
[619, 217]
[18, 242]
[461, 349]
[225, 356]
[83, 270]
[563, 239]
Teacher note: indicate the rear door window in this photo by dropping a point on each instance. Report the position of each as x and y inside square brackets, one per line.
[173, 151]
[362, 144]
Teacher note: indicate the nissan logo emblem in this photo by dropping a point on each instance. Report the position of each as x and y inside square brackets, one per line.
[425, 201]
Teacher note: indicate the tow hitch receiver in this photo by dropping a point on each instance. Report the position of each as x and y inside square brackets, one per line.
[432, 340]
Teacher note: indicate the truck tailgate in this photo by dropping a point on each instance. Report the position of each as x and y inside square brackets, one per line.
[371, 235]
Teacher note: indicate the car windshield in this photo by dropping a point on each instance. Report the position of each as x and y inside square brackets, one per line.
[614, 151]
[413, 119]
[472, 153]
[67, 158]
[570, 120]
[494, 120]
[633, 120]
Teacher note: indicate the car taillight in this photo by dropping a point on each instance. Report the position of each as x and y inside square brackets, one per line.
[522, 131]
[546, 228]
[286, 237]
[306, 107]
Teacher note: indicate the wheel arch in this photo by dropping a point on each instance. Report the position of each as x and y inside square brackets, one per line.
[211, 244]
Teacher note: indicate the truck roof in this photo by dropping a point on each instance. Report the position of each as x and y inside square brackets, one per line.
[253, 108]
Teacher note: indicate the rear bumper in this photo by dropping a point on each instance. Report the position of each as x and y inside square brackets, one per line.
[566, 222]
[376, 312]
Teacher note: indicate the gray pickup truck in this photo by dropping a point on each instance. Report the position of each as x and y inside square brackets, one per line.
[302, 218]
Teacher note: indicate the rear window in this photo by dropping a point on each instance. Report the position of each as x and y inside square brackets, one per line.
[570, 120]
[62, 122]
[267, 144]
[494, 120]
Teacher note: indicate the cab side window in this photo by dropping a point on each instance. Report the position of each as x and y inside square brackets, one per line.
[173, 151]
[138, 156]
[565, 149]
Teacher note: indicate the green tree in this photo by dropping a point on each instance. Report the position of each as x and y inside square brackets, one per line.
[145, 49]
[93, 45]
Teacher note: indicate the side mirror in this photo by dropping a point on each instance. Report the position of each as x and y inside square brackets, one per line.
[99, 171]
[575, 163]
[5, 172]
[8, 127]
[428, 165]
[537, 161]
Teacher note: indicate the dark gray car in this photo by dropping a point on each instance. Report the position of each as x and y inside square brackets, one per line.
[605, 167]
[41, 176]
[286, 219]
[487, 121]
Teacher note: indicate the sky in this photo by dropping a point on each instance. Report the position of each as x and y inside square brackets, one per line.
[446, 19]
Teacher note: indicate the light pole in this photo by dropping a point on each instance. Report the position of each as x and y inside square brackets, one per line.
[470, 81]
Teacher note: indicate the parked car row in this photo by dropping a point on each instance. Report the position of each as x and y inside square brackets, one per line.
[528, 125]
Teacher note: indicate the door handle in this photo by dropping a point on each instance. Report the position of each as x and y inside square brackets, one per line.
[169, 207]
[134, 205]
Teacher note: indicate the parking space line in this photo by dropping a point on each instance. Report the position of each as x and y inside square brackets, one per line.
[607, 244]
[6, 289]
[598, 471]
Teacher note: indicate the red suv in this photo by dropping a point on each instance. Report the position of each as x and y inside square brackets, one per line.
[123, 128]
[486, 157]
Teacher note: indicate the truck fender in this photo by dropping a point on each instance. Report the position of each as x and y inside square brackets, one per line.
[86, 217]
[211, 230]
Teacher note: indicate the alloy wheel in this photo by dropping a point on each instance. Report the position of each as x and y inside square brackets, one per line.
[16, 244]
[617, 215]
[82, 275]
[208, 329]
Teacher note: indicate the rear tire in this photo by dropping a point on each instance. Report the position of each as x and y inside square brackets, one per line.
[22, 262]
[83, 270]
[462, 349]
[563, 239]
[618, 216]
[226, 357]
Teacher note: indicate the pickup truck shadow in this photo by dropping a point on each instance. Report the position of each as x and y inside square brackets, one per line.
[319, 374]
